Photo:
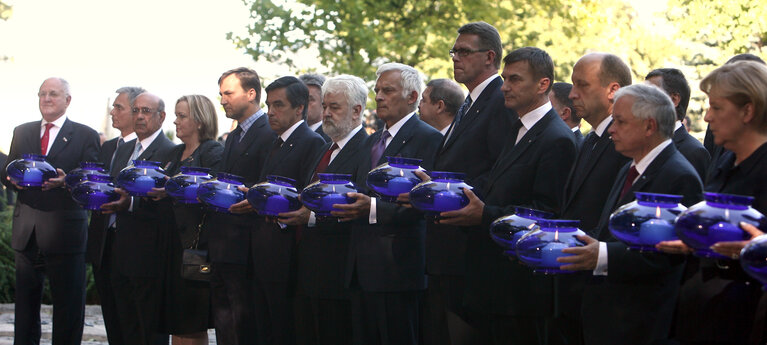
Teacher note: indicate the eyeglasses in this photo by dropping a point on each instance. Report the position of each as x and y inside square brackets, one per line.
[144, 110]
[463, 52]
[52, 94]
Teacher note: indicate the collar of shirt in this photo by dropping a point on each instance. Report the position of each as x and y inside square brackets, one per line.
[677, 125]
[314, 126]
[481, 87]
[129, 137]
[341, 143]
[530, 119]
[575, 129]
[245, 125]
[600, 130]
[650, 156]
[396, 127]
[56, 125]
[444, 130]
[286, 134]
[149, 140]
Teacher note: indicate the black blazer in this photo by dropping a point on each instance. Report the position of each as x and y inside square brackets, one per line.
[531, 174]
[323, 249]
[578, 138]
[323, 135]
[99, 221]
[138, 245]
[228, 234]
[389, 255]
[693, 150]
[650, 279]
[58, 223]
[472, 148]
[272, 248]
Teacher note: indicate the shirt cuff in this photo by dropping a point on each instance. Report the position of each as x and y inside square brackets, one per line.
[130, 208]
[312, 219]
[601, 269]
[372, 217]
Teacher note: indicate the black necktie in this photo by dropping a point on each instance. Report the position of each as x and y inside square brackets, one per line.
[120, 142]
[276, 146]
[459, 116]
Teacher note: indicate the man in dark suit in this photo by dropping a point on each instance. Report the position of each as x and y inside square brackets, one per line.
[563, 105]
[229, 235]
[272, 244]
[385, 268]
[137, 258]
[102, 226]
[323, 313]
[471, 146]
[675, 84]
[314, 109]
[644, 121]
[508, 303]
[440, 102]
[49, 229]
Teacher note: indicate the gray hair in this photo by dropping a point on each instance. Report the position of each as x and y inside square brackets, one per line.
[651, 102]
[312, 79]
[447, 91]
[131, 91]
[410, 80]
[351, 87]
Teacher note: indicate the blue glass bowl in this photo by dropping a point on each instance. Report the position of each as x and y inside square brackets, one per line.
[221, 192]
[715, 220]
[278, 194]
[753, 259]
[78, 175]
[330, 189]
[541, 247]
[646, 221]
[140, 177]
[30, 170]
[96, 190]
[397, 176]
[183, 186]
[507, 230]
[443, 193]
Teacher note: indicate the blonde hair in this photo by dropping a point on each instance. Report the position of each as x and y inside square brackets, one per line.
[741, 83]
[203, 113]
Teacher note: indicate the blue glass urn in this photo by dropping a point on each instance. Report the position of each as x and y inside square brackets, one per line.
[507, 230]
[221, 192]
[716, 219]
[330, 189]
[183, 186]
[395, 177]
[96, 190]
[541, 247]
[444, 192]
[140, 177]
[30, 170]
[753, 259]
[78, 175]
[276, 195]
[646, 221]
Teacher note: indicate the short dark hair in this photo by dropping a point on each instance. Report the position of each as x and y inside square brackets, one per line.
[537, 59]
[447, 91]
[613, 69]
[488, 38]
[562, 95]
[674, 82]
[295, 90]
[248, 80]
[745, 57]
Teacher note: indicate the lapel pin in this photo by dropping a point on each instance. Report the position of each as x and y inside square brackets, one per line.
[65, 139]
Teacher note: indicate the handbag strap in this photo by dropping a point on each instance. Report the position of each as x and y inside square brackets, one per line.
[199, 230]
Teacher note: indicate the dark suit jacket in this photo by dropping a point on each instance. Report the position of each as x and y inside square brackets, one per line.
[138, 245]
[530, 174]
[323, 135]
[228, 234]
[389, 255]
[578, 138]
[638, 296]
[57, 222]
[693, 150]
[472, 148]
[273, 248]
[99, 222]
[323, 249]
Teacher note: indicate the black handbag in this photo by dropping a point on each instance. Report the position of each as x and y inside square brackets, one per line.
[194, 262]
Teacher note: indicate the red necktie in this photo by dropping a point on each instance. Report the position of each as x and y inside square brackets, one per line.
[44, 139]
[632, 175]
[324, 162]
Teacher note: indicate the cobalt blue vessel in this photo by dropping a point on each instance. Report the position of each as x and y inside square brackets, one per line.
[276, 195]
[140, 177]
[753, 259]
[31, 170]
[221, 192]
[395, 177]
[96, 190]
[646, 221]
[330, 189]
[443, 193]
[541, 247]
[715, 220]
[78, 175]
[507, 230]
[183, 187]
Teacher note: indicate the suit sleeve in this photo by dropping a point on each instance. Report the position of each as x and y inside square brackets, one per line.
[12, 154]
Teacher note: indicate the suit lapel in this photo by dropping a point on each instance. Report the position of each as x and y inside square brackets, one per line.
[346, 153]
[476, 107]
[62, 139]
[398, 141]
[149, 152]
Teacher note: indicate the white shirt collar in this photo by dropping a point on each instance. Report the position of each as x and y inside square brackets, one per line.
[56, 123]
[677, 125]
[286, 134]
[129, 137]
[444, 130]
[481, 87]
[575, 129]
[643, 163]
[315, 126]
[149, 140]
[398, 125]
[530, 119]
[600, 130]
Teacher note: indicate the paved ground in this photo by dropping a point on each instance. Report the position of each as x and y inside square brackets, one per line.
[93, 332]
